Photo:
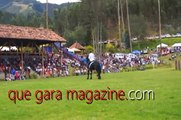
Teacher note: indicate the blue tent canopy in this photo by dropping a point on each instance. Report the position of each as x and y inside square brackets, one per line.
[137, 52]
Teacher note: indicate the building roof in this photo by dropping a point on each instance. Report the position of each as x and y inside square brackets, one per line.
[77, 46]
[28, 33]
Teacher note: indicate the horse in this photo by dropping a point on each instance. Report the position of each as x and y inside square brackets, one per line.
[94, 65]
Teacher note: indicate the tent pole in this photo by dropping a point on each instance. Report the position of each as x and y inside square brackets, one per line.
[42, 63]
[61, 55]
[22, 61]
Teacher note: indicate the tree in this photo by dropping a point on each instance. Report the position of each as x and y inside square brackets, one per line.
[138, 26]
[89, 49]
[79, 35]
[110, 48]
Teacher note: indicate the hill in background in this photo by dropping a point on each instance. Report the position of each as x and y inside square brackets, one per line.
[26, 7]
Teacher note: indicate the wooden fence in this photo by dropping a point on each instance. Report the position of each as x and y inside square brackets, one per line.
[178, 64]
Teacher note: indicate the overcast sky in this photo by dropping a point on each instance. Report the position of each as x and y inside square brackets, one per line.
[58, 1]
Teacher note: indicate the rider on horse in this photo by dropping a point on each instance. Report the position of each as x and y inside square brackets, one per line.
[90, 58]
[93, 65]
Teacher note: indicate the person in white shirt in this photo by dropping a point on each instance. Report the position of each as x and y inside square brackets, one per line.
[91, 57]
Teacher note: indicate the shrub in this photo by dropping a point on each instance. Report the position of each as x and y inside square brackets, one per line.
[33, 76]
[110, 48]
[89, 49]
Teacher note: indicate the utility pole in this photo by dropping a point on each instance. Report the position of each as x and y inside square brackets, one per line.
[159, 24]
[129, 30]
[47, 14]
[122, 19]
[119, 24]
[100, 41]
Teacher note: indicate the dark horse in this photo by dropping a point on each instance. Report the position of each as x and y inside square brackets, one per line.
[95, 65]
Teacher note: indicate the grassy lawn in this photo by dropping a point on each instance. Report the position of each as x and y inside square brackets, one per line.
[166, 84]
[138, 45]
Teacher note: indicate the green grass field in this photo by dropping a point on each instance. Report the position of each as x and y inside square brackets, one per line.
[139, 45]
[166, 84]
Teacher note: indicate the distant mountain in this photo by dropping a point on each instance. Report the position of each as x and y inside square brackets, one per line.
[25, 7]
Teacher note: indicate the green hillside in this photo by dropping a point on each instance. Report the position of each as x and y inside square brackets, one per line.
[26, 7]
[19, 8]
[139, 45]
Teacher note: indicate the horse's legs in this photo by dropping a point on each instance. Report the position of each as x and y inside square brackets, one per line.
[98, 74]
[88, 74]
[91, 74]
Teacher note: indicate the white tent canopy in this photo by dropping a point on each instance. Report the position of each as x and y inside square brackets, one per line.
[176, 45]
[162, 45]
[5, 48]
[73, 50]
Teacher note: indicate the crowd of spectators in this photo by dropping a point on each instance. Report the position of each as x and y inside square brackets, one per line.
[127, 62]
[12, 68]
[54, 65]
